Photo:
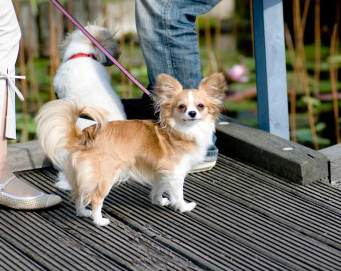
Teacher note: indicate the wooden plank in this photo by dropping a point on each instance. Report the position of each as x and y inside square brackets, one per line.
[28, 155]
[281, 157]
[242, 215]
[270, 67]
[333, 154]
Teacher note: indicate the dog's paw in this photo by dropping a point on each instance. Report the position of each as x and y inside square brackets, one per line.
[102, 221]
[84, 213]
[63, 183]
[187, 207]
[161, 202]
[164, 202]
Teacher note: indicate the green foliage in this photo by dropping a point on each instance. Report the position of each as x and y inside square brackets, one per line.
[316, 103]
[309, 50]
[242, 106]
[335, 59]
[304, 136]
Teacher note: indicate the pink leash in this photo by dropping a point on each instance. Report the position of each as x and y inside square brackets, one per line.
[99, 46]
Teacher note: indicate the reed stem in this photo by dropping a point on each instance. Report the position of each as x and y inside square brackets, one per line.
[69, 5]
[24, 86]
[293, 89]
[333, 79]
[36, 101]
[131, 54]
[303, 69]
[217, 41]
[52, 49]
[317, 65]
[305, 15]
[208, 43]
[123, 49]
[252, 34]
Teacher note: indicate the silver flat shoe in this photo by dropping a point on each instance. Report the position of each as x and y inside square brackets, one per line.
[41, 201]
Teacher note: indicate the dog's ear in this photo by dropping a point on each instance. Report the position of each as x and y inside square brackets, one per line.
[215, 87]
[64, 44]
[106, 39]
[167, 87]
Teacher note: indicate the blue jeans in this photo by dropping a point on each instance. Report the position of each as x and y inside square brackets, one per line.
[169, 42]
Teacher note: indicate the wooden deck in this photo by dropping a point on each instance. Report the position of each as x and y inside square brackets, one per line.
[245, 220]
[253, 213]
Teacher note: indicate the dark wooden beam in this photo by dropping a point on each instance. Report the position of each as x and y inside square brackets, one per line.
[279, 156]
[333, 154]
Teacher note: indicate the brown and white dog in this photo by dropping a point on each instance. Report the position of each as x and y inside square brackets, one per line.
[157, 153]
[83, 78]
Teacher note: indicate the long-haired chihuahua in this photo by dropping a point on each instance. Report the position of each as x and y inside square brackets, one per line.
[82, 77]
[157, 153]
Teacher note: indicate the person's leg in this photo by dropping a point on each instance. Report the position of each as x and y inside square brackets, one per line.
[166, 30]
[13, 192]
[15, 187]
[169, 42]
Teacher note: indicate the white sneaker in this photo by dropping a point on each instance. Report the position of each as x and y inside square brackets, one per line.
[206, 165]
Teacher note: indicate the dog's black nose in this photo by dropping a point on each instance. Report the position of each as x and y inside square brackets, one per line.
[192, 114]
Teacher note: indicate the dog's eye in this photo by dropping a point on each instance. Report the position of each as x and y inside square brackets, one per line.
[182, 107]
[201, 106]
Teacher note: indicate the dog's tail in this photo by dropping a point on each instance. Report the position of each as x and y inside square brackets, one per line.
[57, 130]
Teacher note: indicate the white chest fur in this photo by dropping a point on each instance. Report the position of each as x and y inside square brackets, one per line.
[202, 132]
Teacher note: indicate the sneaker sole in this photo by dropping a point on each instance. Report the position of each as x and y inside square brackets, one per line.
[203, 167]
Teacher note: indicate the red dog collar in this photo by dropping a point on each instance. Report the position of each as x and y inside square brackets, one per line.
[82, 55]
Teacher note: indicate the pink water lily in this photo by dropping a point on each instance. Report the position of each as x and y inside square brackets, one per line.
[238, 73]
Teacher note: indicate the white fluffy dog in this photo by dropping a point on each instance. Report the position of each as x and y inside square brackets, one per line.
[82, 77]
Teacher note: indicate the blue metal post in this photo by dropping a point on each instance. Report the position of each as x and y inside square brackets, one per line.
[272, 95]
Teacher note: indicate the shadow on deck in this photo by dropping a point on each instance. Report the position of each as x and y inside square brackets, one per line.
[245, 220]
